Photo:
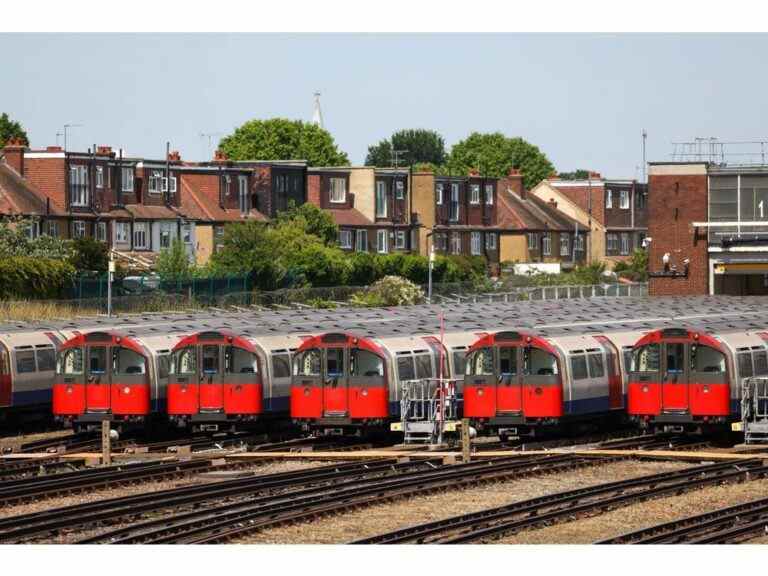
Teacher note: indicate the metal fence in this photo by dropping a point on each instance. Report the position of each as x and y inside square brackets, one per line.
[205, 289]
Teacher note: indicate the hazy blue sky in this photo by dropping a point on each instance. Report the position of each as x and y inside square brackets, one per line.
[583, 99]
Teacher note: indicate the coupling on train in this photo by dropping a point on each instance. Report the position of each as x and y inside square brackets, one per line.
[516, 368]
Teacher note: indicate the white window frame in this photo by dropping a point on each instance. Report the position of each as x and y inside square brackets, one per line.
[122, 232]
[126, 184]
[53, 228]
[440, 241]
[624, 244]
[140, 231]
[399, 189]
[33, 229]
[533, 241]
[474, 193]
[166, 230]
[400, 240]
[345, 239]
[489, 194]
[455, 191]
[612, 242]
[439, 189]
[580, 243]
[381, 199]
[361, 240]
[186, 233]
[80, 189]
[565, 245]
[99, 176]
[382, 241]
[78, 229]
[475, 245]
[546, 244]
[490, 241]
[624, 199]
[242, 194]
[609, 198]
[101, 231]
[456, 243]
[336, 185]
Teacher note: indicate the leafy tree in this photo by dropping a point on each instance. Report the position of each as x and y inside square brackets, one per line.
[579, 174]
[90, 255]
[11, 129]
[312, 220]
[494, 154]
[282, 139]
[25, 277]
[173, 263]
[15, 241]
[636, 268]
[419, 146]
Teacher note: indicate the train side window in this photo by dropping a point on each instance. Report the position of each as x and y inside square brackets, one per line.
[25, 361]
[306, 364]
[423, 366]
[508, 361]
[596, 369]
[579, 367]
[71, 361]
[675, 358]
[186, 361]
[646, 358]
[281, 364]
[745, 364]
[240, 361]
[97, 360]
[459, 361]
[365, 363]
[335, 362]
[128, 362]
[761, 362]
[210, 359]
[480, 363]
[540, 363]
[46, 359]
[405, 368]
[706, 359]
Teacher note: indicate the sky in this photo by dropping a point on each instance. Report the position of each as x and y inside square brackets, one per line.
[584, 99]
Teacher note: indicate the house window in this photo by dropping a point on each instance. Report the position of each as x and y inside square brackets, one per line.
[533, 241]
[455, 243]
[490, 241]
[439, 193]
[611, 243]
[580, 243]
[338, 188]
[546, 244]
[242, 194]
[489, 194]
[454, 215]
[361, 240]
[624, 199]
[382, 236]
[33, 229]
[127, 184]
[166, 234]
[99, 177]
[226, 180]
[140, 236]
[53, 229]
[476, 244]
[640, 240]
[218, 233]
[173, 185]
[625, 244]
[121, 232]
[345, 239]
[565, 245]
[399, 189]
[474, 194]
[155, 182]
[186, 233]
[400, 240]
[641, 199]
[381, 199]
[79, 192]
[609, 198]
[101, 231]
[78, 229]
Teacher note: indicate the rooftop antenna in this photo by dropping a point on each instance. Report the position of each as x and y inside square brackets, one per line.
[396, 156]
[317, 113]
[58, 134]
[210, 136]
[645, 137]
[66, 128]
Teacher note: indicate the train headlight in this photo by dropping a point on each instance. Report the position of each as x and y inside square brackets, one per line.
[306, 391]
[70, 389]
[706, 390]
[480, 391]
[364, 392]
[126, 390]
[645, 388]
[539, 391]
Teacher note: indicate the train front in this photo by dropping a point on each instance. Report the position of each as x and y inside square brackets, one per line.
[102, 376]
[339, 382]
[679, 379]
[214, 382]
[512, 384]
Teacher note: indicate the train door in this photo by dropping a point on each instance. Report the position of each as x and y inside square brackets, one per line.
[242, 379]
[335, 384]
[130, 377]
[509, 390]
[542, 385]
[211, 390]
[98, 379]
[674, 379]
[5, 377]
[615, 394]
[182, 380]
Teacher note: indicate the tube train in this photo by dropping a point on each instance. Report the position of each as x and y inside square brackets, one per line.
[520, 367]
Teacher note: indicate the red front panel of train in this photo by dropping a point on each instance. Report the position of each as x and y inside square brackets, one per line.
[242, 398]
[306, 401]
[479, 401]
[5, 390]
[130, 399]
[182, 399]
[650, 398]
[211, 396]
[68, 399]
[542, 401]
[97, 396]
[368, 402]
[335, 399]
[644, 398]
[509, 398]
[710, 399]
[674, 396]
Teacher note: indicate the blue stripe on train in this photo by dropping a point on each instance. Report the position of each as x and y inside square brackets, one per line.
[31, 397]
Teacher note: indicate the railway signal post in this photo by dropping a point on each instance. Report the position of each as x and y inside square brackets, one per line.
[106, 443]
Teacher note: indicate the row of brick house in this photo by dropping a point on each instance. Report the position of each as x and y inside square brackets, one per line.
[139, 206]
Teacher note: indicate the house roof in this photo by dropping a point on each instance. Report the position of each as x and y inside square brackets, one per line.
[530, 213]
[197, 205]
[19, 197]
[348, 217]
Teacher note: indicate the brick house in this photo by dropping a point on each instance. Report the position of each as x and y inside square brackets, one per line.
[277, 184]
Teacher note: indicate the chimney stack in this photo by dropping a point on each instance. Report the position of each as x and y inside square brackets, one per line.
[474, 173]
[219, 156]
[595, 176]
[553, 176]
[104, 151]
[515, 182]
[175, 156]
[14, 154]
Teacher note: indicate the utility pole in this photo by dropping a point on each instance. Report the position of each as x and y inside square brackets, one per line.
[210, 136]
[431, 266]
[645, 137]
[110, 277]
[396, 156]
[66, 129]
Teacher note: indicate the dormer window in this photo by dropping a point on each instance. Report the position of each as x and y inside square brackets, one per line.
[338, 190]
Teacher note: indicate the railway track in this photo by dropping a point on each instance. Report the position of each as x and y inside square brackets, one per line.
[723, 526]
[225, 522]
[518, 516]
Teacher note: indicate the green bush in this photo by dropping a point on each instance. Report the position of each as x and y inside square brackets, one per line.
[24, 277]
[389, 291]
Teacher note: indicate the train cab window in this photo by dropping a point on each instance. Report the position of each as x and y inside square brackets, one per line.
[405, 368]
[579, 366]
[335, 362]
[365, 363]
[127, 361]
[423, 366]
[761, 362]
[4, 366]
[210, 359]
[306, 363]
[240, 361]
[745, 364]
[70, 361]
[25, 361]
[459, 361]
[508, 361]
[97, 360]
[480, 363]
[46, 359]
[163, 364]
[628, 359]
[281, 365]
[675, 358]
[706, 359]
[185, 361]
[646, 358]
[596, 369]
[540, 363]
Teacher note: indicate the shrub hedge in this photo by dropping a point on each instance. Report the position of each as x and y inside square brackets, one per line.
[34, 278]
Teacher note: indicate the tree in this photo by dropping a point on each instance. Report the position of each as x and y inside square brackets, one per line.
[90, 255]
[417, 146]
[312, 220]
[15, 241]
[282, 139]
[580, 174]
[173, 263]
[10, 129]
[494, 154]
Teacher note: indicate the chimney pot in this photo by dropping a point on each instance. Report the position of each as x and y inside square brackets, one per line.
[54, 149]
[515, 173]
[174, 156]
[104, 150]
[595, 175]
[15, 143]
[219, 156]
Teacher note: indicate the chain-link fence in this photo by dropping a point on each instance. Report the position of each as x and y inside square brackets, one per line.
[203, 289]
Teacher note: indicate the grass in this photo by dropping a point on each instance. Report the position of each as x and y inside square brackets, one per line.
[35, 311]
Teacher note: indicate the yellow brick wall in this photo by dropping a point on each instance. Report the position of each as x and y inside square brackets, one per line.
[423, 190]
[204, 238]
